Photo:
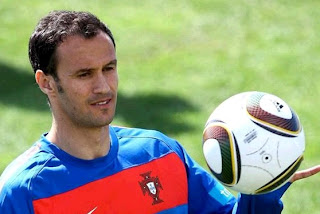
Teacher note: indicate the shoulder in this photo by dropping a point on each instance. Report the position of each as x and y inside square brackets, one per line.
[146, 138]
[18, 175]
[137, 132]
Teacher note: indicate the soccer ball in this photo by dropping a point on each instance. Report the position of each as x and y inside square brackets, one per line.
[253, 142]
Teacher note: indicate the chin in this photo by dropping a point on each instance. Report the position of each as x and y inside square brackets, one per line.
[106, 122]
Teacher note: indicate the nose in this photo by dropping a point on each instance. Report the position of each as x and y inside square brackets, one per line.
[101, 85]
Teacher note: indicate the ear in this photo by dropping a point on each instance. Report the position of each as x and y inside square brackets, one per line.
[45, 82]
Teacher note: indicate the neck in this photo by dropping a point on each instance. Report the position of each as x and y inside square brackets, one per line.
[81, 142]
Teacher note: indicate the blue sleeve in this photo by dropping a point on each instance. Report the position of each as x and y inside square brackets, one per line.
[15, 201]
[264, 203]
[207, 195]
[15, 197]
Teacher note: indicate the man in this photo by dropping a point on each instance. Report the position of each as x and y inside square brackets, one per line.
[85, 165]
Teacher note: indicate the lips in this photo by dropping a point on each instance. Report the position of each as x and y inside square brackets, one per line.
[101, 102]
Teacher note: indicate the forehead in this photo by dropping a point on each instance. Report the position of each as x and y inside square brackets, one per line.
[76, 52]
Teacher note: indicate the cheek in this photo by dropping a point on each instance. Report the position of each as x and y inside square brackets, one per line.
[113, 81]
[75, 91]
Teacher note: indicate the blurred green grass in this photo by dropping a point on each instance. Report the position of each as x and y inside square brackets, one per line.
[177, 61]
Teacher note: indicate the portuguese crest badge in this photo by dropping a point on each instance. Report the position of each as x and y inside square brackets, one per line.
[152, 186]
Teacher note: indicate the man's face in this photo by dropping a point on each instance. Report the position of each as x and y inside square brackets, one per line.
[88, 81]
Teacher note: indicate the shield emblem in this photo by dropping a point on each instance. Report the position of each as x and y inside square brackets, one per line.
[152, 188]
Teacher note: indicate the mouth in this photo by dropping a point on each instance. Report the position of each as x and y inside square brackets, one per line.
[101, 102]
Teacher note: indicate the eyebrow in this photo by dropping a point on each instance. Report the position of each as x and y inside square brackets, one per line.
[112, 62]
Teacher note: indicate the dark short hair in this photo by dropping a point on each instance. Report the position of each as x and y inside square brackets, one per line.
[53, 29]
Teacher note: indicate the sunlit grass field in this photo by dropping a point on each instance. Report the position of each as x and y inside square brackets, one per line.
[178, 59]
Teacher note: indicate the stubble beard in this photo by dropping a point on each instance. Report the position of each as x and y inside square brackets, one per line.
[81, 119]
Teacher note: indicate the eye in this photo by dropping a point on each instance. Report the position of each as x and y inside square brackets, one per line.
[108, 68]
[84, 74]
